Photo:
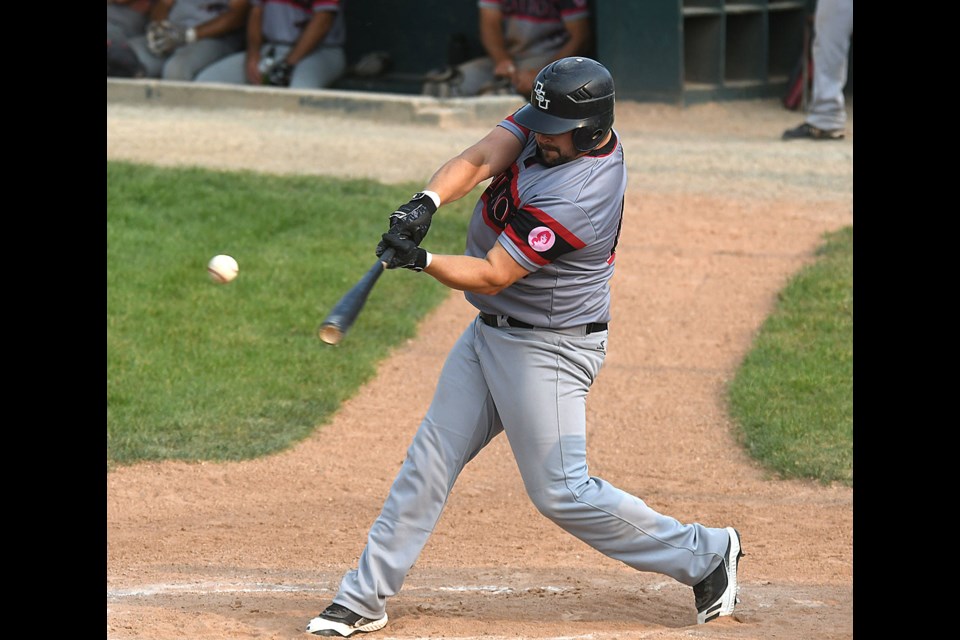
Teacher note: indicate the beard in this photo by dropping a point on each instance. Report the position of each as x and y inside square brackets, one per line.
[556, 157]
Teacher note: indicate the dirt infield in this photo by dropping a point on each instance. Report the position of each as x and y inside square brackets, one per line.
[720, 213]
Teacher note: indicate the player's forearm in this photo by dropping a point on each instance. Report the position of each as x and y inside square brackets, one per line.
[255, 31]
[230, 20]
[314, 33]
[160, 10]
[488, 275]
[457, 177]
[466, 273]
[580, 42]
[485, 159]
[491, 35]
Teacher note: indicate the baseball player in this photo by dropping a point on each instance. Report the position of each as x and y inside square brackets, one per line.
[540, 252]
[290, 43]
[184, 36]
[519, 39]
[125, 19]
[826, 117]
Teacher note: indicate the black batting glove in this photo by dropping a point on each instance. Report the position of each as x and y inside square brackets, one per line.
[279, 74]
[407, 254]
[413, 219]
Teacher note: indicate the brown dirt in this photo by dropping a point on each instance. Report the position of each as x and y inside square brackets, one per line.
[720, 214]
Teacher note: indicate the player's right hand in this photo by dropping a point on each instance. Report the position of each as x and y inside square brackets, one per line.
[164, 36]
[407, 254]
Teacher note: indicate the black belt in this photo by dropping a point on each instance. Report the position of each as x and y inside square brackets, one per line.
[490, 319]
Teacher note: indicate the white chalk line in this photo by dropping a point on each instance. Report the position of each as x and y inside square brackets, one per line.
[267, 587]
[208, 587]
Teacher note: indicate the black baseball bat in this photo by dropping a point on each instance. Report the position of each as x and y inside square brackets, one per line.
[345, 312]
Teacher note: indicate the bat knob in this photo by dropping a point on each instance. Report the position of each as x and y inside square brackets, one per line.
[330, 334]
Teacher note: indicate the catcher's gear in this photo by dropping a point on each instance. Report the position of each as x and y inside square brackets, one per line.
[408, 255]
[164, 36]
[279, 74]
[572, 94]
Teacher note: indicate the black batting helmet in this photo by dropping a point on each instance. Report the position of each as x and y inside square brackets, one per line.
[572, 94]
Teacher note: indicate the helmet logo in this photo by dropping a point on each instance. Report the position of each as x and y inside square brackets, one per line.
[542, 99]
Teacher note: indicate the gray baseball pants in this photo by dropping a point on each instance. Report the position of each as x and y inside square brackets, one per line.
[531, 384]
[318, 69]
[185, 62]
[833, 27]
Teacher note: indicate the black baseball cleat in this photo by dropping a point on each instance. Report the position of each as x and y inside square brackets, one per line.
[811, 132]
[716, 595]
[337, 620]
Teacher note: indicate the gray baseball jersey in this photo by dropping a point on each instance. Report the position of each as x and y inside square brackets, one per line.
[533, 27]
[562, 224]
[190, 13]
[285, 20]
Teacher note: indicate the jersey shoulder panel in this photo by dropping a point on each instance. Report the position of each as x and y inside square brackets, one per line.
[521, 132]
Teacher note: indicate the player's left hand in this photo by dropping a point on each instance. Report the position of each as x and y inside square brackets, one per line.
[279, 74]
[413, 219]
[408, 255]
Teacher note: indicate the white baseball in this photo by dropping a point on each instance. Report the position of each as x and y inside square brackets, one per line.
[222, 269]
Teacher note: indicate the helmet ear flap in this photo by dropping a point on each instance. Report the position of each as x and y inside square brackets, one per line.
[587, 138]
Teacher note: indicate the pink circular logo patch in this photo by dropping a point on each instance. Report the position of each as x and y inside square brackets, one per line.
[541, 239]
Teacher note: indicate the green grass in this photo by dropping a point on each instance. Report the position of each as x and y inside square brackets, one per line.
[793, 395]
[199, 371]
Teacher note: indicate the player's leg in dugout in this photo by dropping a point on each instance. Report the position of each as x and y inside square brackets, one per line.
[229, 70]
[189, 60]
[319, 69]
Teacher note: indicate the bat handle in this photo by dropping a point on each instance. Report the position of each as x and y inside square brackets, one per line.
[387, 256]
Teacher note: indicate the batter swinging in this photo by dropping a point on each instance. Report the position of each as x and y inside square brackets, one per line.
[540, 252]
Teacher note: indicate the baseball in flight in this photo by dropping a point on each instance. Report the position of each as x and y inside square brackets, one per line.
[222, 269]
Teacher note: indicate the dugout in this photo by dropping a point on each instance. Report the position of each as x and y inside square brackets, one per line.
[673, 51]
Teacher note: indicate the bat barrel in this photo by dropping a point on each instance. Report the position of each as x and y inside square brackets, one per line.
[345, 312]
